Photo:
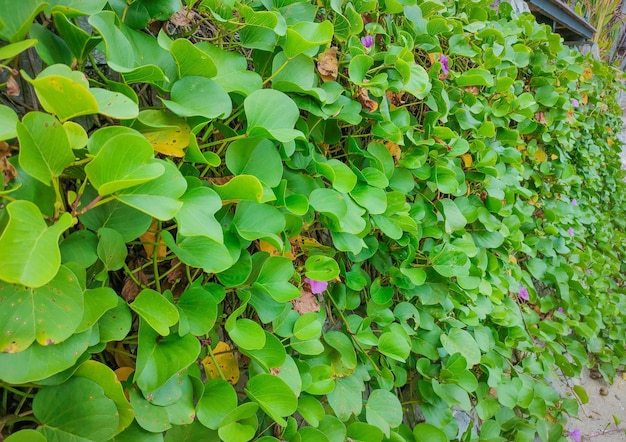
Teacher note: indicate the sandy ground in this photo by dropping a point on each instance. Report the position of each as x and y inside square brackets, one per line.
[603, 418]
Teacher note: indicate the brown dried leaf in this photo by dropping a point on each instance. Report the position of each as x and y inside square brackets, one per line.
[181, 18]
[149, 238]
[395, 98]
[13, 88]
[121, 354]
[8, 171]
[394, 149]
[540, 117]
[177, 273]
[220, 180]
[130, 289]
[365, 100]
[472, 90]
[306, 303]
[327, 64]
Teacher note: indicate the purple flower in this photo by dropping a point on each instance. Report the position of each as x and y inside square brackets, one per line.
[574, 202]
[523, 293]
[445, 64]
[576, 435]
[560, 310]
[575, 102]
[317, 287]
[367, 42]
[571, 231]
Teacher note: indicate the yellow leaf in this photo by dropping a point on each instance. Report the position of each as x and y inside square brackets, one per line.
[169, 134]
[149, 240]
[226, 363]
[554, 157]
[540, 156]
[394, 149]
[467, 160]
[585, 98]
[610, 141]
[512, 259]
[264, 246]
[123, 373]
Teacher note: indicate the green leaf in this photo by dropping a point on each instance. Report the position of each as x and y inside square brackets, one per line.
[460, 341]
[87, 411]
[273, 396]
[383, 409]
[17, 21]
[30, 251]
[8, 123]
[394, 346]
[50, 47]
[274, 279]
[197, 307]
[45, 150]
[258, 157]
[49, 314]
[151, 417]
[307, 37]
[156, 310]
[271, 114]
[475, 77]
[13, 49]
[581, 393]
[114, 104]
[38, 362]
[321, 268]
[158, 359]
[262, 28]
[340, 174]
[188, 98]
[97, 302]
[159, 197]
[454, 219]
[115, 324]
[307, 327]
[259, 221]
[200, 251]
[240, 425]
[246, 333]
[117, 167]
[429, 433]
[218, 400]
[26, 436]
[242, 187]
[111, 249]
[232, 70]
[272, 355]
[192, 60]
[450, 263]
[197, 215]
[106, 378]
[347, 397]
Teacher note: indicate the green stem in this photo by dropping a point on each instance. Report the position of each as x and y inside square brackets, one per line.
[217, 365]
[225, 140]
[271, 77]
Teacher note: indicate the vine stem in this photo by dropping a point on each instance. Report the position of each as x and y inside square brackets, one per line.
[352, 334]
[271, 77]
[217, 366]
[225, 140]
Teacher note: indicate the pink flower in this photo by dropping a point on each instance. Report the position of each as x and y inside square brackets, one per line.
[575, 102]
[317, 287]
[367, 42]
[571, 232]
[445, 64]
[576, 435]
[574, 202]
[560, 310]
[523, 293]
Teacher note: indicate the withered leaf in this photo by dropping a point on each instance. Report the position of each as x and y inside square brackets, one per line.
[181, 18]
[366, 102]
[394, 150]
[540, 117]
[306, 303]
[327, 64]
[13, 88]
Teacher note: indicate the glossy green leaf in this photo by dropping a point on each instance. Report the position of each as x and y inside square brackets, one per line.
[105, 377]
[158, 359]
[240, 424]
[347, 397]
[117, 167]
[383, 410]
[307, 326]
[96, 303]
[34, 312]
[200, 251]
[273, 396]
[115, 324]
[188, 98]
[321, 268]
[246, 333]
[218, 400]
[155, 310]
[50, 47]
[460, 341]
[429, 433]
[192, 60]
[272, 355]
[242, 187]
[160, 197]
[307, 37]
[45, 150]
[259, 221]
[30, 252]
[13, 49]
[274, 279]
[150, 417]
[271, 114]
[257, 157]
[197, 308]
[8, 123]
[394, 346]
[26, 436]
[87, 411]
[111, 248]
[17, 21]
[196, 217]
[114, 104]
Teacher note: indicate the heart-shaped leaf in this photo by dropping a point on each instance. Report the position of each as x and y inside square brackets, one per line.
[274, 279]
[218, 400]
[160, 358]
[255, 156]
[383, 409]
[156, 310]
[307, 37]
[197, 307]
[168, 133]
[272, 114]
[188, 98]
[45, 150]
[273, 395]
[259, 221]
[8, 123]
[196, 217]
[30, 251]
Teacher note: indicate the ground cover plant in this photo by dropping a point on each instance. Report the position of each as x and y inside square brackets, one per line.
[303, 221]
